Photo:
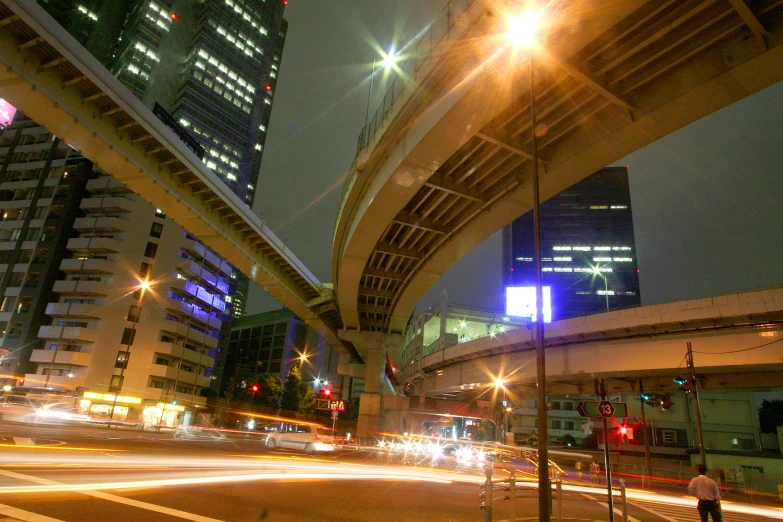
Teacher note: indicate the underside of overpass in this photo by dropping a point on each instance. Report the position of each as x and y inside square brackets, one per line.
[451, 163]
[56, 82]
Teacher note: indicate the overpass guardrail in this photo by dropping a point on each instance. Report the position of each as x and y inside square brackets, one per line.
[415, 53]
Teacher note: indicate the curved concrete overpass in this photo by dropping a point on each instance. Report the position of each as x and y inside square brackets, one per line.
[736, 340]
[449, 163]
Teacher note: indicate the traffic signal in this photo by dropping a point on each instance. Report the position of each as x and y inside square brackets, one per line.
[666, 402]
[687, 383]
[327, 392]
[254, 388]
[623, 430]
[650, 398]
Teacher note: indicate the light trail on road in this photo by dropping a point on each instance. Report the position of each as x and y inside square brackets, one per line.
[128, 471]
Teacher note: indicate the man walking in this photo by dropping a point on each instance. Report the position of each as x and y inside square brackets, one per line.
[706, 490]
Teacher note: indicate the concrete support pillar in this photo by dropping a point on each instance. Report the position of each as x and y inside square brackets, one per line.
[371, 399]
[373, 347]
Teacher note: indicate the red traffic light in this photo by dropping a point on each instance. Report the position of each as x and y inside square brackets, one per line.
[623, 430]
[254, 388]
[328, 392]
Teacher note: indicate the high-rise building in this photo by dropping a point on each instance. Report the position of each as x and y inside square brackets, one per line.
[221, 54]
[588, 250]
[271, 342]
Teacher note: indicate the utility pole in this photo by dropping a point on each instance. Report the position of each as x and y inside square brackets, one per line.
[647, 457]
[689, 361]
[600, 390]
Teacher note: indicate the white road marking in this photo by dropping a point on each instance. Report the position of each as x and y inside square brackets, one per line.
[23, 441]
[654, 512]
[111, 498]
[616, 510]
[19, 515]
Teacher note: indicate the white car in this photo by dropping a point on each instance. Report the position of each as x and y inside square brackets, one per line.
[309, 438]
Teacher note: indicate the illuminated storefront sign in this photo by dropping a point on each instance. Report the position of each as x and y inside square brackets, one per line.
[7, 113]
[521, 302]
[110, 397]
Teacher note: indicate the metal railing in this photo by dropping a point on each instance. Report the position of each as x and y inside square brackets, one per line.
[415, 54]
[491, 487]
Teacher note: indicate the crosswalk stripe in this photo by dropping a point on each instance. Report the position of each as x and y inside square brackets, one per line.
[689, 514]
[20, 515]
[653, 511]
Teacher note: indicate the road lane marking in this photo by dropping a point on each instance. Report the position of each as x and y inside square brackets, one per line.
[654, 512]
[111, 498]
[24, 516]
[616, 510]
[22, 441]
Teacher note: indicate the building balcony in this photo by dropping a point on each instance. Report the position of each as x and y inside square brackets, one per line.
[102, 224]
[61, 357]
[88, 266]
[107, 205]
[74, 310]
[183, 353]
[107, 184]
[186, 309]
[95, 245]
[55, 381]
[193, 335]
[198, 250]
[68, 333]
[181, 376]
[185, 399]
[81, 288]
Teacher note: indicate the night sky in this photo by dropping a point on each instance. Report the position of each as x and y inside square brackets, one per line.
[707, 200]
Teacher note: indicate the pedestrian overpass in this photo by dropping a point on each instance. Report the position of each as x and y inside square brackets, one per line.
[47, 74]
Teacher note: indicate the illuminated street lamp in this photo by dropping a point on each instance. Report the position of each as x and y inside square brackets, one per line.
[387, 61]
[597, 272]
[143, 287]
[522, 33]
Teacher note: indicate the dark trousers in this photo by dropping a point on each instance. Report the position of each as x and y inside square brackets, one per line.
[711, 507]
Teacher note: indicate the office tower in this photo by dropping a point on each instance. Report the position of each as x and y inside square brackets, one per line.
[94, 23]
[271, 342]
[588, 250]
[224, 55]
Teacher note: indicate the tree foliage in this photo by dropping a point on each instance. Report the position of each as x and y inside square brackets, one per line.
[297, 396]
[270, 390]
[770, 415]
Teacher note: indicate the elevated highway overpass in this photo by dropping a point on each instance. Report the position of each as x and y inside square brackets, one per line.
[737, 341]
[446, 161]
[47, 74]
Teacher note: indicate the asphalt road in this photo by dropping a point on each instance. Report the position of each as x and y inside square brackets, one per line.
[50, 474]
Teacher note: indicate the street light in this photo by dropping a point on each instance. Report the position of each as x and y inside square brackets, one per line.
[522, 33]
[597, 272]
[388, 60]
[143, 287]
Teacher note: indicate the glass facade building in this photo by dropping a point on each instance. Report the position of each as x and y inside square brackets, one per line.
[587, 243]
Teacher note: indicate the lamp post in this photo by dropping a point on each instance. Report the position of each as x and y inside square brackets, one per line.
[597, 272]
[143, 287]
[500, 384]
[388, 60]
[522, 32]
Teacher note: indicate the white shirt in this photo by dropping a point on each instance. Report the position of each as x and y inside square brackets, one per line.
[704, 488]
